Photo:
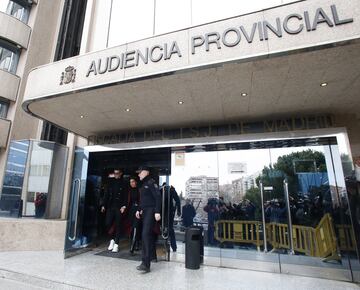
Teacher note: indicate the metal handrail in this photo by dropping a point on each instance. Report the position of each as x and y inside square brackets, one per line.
[164, 234]
[263, 215]
[76, 208]
[286, 190]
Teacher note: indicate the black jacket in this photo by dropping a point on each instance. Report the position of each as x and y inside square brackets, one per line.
[174, 197]
[150, 195]
[115, 194]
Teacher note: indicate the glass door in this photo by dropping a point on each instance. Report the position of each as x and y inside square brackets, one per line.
[76, 239]
[240, 231]
[306, 214]
[347, 229]
[194, 175]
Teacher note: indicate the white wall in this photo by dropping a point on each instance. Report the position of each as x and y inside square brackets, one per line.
[132, 20]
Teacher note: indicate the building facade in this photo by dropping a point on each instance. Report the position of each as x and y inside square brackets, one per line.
[202, 187]
[272, 85]
[243, 184]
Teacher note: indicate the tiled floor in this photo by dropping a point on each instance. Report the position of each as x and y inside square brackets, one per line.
[89, 271]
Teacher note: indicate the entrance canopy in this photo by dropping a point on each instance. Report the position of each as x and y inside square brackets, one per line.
[302, 58]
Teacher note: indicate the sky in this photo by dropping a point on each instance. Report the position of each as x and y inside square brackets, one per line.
[215, 164]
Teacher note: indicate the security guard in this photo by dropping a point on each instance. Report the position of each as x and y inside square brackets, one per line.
[150, 206]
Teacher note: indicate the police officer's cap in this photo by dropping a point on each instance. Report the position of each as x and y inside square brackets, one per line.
[141, 168]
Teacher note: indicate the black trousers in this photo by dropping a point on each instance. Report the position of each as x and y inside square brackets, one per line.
[114, 214]
[148, 242]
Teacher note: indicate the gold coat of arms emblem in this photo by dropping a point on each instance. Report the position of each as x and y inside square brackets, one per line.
[68, 76]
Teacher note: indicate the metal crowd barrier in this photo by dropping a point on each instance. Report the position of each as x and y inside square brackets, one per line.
[346, 239]
[325, 239]
[304, 240]
[316, 242]
[239, 232]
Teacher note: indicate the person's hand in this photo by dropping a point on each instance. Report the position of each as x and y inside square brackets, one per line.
[157, 217]
[102, 209]
[137, 214]
[122, 210]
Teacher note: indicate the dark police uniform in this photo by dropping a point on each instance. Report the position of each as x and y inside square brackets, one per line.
[150, 204]
[114, 199]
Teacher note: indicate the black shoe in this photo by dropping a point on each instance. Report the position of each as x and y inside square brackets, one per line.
[143, 268]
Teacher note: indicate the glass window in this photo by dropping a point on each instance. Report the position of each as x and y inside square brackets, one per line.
[45, 184]
[3, 109]
[10, 199]
[41, 195]
[9, 56]
[268, 203]
[17, 8]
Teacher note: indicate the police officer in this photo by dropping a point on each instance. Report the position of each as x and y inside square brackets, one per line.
[114, 204]
[150, 206]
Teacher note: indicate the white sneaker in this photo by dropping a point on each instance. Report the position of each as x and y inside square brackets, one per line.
[111, 246]
[116, 248]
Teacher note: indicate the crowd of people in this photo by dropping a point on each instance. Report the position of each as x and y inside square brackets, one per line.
[304, 210]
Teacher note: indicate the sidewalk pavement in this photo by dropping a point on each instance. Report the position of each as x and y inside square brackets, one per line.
[48, 270]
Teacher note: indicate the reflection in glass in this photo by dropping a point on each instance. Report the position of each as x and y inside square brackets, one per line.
[46, 179]
[287, 199]
[19, 9]
[9, 57]
[349, 233]
[38, 180]
[3, 109]
[43, 165]
[317, 218]
[10, 201]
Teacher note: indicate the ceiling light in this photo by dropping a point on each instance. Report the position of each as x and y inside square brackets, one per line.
[180, 102]
[82, 116]
[244, 94]
[323, 84]
[127, 110]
